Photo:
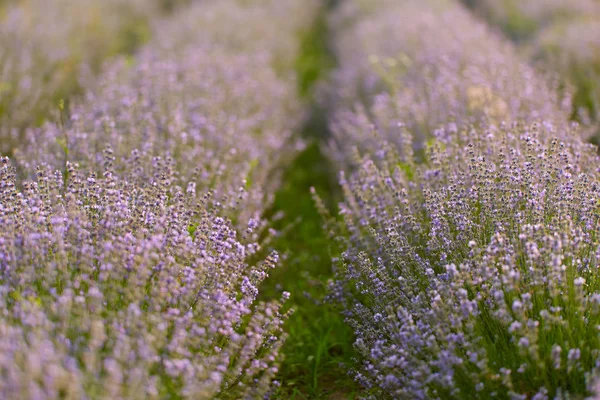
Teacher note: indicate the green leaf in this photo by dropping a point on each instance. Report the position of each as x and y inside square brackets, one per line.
[62, 142]
[408, 169]
[192, 230]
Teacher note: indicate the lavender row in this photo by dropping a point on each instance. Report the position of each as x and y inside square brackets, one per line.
[131, 244]
[470, 213]
[112, 289]
[524, 20]
[212, 100]
[563, 36]
[45, 46]
[428, 75]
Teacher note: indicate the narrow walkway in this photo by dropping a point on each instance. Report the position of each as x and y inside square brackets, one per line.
[318, 351]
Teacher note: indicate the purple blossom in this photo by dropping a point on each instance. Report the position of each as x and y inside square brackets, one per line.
[470, 211]
[132, 232]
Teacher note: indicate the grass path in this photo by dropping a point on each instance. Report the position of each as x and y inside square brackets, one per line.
[318, 351]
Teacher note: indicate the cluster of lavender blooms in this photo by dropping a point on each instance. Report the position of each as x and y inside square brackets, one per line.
[119, 289]
[432, 72]
[524, 19]
[131, 230]
[470, 267]
[193, 96]
[277, 39]
[572, 49]
[474, 273]
[563, 36]
[45, 44]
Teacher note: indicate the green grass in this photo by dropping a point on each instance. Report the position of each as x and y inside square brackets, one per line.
[318, 352]
[315, 58]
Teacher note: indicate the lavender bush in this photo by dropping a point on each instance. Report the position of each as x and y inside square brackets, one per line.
[572, 49]
[470, 265]
[45, 45]
[474, 272]
[524, 19]
[131, 233]
[432, 72]
[277, 39]
[119, 289]
[562, 36]
[193, 96]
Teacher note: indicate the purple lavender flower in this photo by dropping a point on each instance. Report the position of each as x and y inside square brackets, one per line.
[132, 232]
[469, 216]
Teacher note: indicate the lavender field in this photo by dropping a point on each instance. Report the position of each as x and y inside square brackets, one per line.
[299, 199]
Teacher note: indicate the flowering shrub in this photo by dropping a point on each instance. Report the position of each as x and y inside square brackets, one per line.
[131, 233]
[470, 264]
[191, 96]
[572, 48]
[475, 272]
[277, 39]
[432, 72]
[43, 45]
[46, 45]
[564, 38]
[118, 289]
[524, 19]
